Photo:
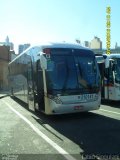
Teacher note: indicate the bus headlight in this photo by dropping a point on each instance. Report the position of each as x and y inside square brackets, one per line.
[57, 100]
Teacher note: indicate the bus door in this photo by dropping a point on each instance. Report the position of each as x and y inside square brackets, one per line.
[102, 72]
[111, 81]
[101, 65]
[31, 103]
[40, 86]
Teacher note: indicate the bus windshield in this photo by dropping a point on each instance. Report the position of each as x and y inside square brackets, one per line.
[72, 71]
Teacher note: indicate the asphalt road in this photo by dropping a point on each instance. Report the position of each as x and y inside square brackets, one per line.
[27, 135]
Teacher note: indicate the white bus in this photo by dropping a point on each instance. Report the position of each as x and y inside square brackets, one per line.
[109, 66]
[56, 78]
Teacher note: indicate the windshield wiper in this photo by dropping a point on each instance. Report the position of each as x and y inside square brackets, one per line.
[66, 78]
[80, 70]
[81, 80]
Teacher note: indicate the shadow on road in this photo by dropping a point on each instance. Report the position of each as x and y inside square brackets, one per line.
[97, 135]
[3, 96]
[115, 104]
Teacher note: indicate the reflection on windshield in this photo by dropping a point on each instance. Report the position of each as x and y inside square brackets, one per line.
[73, 72]
[87, 69]
[63, 75]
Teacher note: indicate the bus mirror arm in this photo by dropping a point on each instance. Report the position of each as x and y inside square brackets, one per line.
[113, 67]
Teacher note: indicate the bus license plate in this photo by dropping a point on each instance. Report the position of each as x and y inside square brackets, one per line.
[78, 107]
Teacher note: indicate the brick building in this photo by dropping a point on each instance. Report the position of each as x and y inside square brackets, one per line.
[5, 57]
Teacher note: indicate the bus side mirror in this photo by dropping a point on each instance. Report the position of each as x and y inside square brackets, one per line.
[43, 62]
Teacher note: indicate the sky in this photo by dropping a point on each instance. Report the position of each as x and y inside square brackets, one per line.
[34, 21]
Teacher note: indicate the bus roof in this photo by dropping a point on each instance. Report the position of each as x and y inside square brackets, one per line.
[54, 45]
[62, 45]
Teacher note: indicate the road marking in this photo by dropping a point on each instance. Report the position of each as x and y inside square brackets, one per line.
[109, 111]
[48, 140]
